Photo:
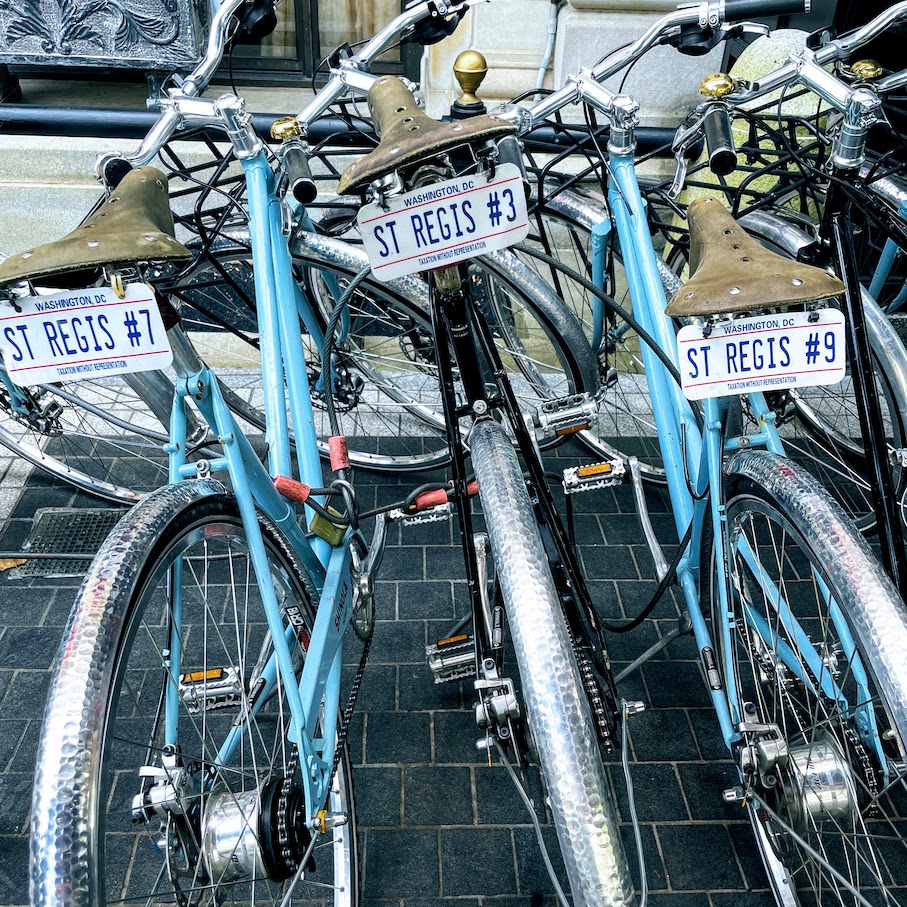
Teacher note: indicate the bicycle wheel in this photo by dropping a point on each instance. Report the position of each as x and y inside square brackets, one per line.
[387, 398]
[557, 709]
[541, 341]
[816, 670]
[388, 393]
[625, 425]
[121, 814]
[99, 435]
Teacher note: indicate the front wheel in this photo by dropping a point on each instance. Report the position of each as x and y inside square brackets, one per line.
[160, 784]
[557, 708]
[815, 672]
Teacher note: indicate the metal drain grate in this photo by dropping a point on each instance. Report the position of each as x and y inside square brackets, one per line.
[65, 530]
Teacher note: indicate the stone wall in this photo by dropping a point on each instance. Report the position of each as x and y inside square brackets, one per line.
[512, 34]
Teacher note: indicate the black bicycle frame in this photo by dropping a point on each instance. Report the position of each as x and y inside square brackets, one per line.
[461, 329]
[888, 519]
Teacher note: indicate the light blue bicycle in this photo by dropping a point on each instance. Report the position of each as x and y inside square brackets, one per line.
[802, 637]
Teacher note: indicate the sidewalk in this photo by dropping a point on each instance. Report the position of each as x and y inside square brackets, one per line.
[439, 827]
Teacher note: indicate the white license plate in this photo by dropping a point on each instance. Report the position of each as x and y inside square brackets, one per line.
[82, 334]
[762, 353]
[444, 223]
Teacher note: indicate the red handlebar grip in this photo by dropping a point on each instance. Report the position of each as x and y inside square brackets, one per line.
[340, 456]
[290, 488]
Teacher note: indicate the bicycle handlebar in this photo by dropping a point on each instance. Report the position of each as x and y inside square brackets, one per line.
[798, 68]
[178, 106]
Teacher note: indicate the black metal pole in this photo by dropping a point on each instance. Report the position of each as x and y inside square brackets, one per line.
[120, 123]
[888, 518]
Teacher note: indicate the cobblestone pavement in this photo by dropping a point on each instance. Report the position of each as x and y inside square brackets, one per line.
[438, 825]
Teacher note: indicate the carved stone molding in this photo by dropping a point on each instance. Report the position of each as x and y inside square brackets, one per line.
[119, 33]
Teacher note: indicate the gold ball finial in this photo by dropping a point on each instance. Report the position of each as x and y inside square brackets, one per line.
[469, 68]
[866, 69]
[716, 85]
[284, 128]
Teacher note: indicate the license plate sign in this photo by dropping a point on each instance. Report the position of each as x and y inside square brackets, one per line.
[82, 334]
[762, 353]
[444, 223]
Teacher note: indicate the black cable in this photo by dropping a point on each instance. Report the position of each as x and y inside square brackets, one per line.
[663, 584]
[327, 376]
[328, 352]
[611, 303]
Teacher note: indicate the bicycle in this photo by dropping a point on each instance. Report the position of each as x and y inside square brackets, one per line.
[383, 382]
[769, 566]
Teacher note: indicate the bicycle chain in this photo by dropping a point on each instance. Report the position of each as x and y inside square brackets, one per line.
[350, 705]
[283, 805]
[595, 696]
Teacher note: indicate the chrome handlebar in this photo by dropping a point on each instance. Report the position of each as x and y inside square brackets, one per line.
[183, 106]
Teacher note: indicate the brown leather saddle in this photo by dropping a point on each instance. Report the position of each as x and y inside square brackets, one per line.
[133, 224]
[408, 135]
[732, 272]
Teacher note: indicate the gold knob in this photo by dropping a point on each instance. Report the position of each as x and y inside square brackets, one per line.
[469, 68]
[285, 128]
[716, 85]
[866, 69]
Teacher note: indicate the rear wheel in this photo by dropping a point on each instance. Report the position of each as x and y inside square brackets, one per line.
[388, 394]
[815, 670]
[98, 435]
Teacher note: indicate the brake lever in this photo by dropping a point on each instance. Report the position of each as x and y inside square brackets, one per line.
[687, 135]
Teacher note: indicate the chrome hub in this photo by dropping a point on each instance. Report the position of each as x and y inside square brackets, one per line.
[819, 785]
[254, 834]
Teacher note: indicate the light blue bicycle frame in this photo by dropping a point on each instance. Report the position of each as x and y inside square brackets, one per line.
[314, 697]
[680, 436]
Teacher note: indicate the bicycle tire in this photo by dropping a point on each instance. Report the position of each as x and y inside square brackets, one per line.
[557, 709]
[102, 731]
[827, 790]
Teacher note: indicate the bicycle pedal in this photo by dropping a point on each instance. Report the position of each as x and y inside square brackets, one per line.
[595, 475]
[430, 515]
[565, 416]
[207, 691]
[452, 659]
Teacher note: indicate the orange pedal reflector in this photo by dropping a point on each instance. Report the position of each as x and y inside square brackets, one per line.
[452, 639]
[199, 676]
[596, 469]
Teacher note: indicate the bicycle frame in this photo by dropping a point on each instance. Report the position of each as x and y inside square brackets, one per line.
[688, 451]
[279, 303]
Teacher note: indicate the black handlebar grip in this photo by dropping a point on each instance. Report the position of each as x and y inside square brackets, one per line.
[115, 168]
[740, 10]
[719, 141]
[299, 175]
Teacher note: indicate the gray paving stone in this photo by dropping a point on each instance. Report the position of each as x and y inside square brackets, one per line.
[394, 737]
[437, 795]
[461, 872]
[402, 862]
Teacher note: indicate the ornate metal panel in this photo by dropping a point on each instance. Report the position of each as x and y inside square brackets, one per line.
[143, 34]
